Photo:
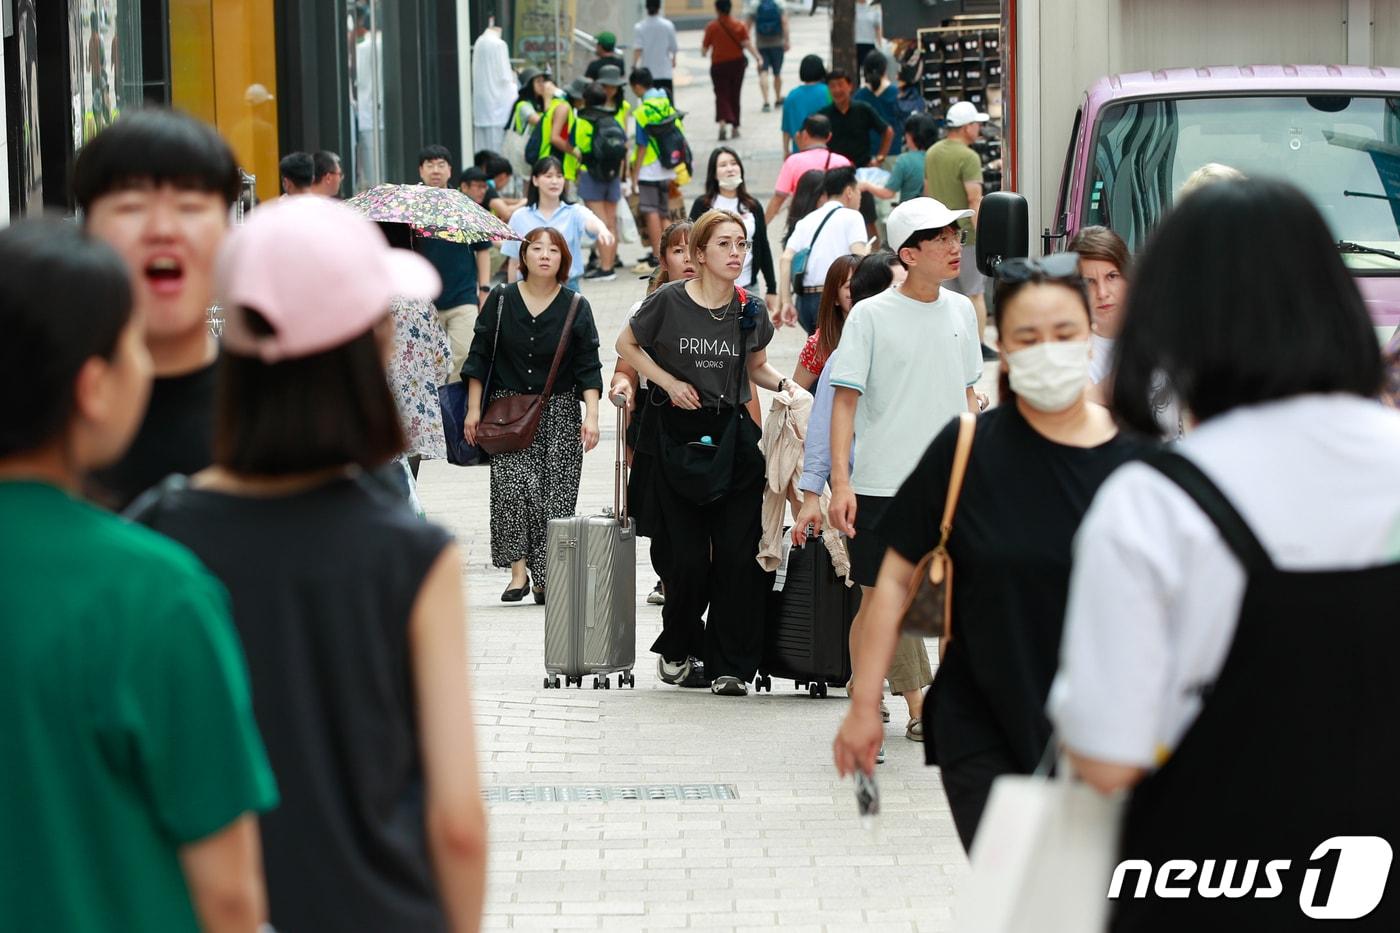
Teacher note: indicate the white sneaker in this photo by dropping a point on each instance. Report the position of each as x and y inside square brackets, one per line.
[728, 686]
[672, 673]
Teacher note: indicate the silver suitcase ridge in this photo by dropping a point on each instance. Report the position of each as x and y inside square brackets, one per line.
[590, 614]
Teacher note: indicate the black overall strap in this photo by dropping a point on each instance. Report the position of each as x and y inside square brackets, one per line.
[1226, 518]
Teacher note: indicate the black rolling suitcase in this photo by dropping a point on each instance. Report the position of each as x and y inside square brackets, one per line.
[807, 639]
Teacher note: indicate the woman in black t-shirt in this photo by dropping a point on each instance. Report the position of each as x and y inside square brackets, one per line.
[517, 334]
[1036, 462]
[349, 607]
[698, 343]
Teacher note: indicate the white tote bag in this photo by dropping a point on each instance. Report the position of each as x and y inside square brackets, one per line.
[1042, 859]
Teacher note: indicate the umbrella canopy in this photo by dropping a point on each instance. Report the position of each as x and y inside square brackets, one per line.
[444, 213]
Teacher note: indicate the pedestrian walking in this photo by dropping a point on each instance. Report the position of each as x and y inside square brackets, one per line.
[650, 177]
[297, 171]
[906, 180]
[725, 191]
[725, 42]
[525, 119]
[953, 175]
[768, 24]
[327, 175]
[518, 336]
[465, 269]
[813, 155]
[494, 88]
[883, 97]
[700, 344]
[1034, 465]
[598, 156]
[834, 229]
[1278, 510]
[605, 56]
[1105, 263]
[133, 766]
[643, 425]
[806, 99]
[654, 48]
[910, 671]
[157, 186]
[835, 305]
[854, 125]
[545, 207]
[869, 29]
[807, 196]
[357, 673]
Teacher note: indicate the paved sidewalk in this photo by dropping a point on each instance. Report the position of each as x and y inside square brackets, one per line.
[788, 852]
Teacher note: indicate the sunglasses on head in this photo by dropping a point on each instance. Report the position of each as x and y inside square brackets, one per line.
[1058, 267]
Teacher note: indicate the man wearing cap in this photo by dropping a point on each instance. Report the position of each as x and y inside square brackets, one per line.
[953, 175]
[909, 360]
[654, 48]
[606, 55]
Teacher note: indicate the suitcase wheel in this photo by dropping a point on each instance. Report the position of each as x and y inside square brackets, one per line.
[816, 690]
[551, 682]
[625, 679]
[601, 683]
[762, 682]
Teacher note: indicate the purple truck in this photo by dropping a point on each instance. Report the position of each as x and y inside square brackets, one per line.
[1332, 130]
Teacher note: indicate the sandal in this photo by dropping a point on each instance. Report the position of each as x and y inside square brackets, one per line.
[517, 593]
[914, 732]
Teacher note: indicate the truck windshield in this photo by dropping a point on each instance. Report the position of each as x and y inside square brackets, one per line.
[1344, 152]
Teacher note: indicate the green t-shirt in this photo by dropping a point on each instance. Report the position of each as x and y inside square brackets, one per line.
[948, 165]
[129, 728]
[907, 176]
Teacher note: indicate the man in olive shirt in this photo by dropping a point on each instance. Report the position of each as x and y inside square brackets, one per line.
[852, 122]
[953, 176]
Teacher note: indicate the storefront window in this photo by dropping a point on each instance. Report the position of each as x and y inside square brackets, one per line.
[366, 49]
[107, 60]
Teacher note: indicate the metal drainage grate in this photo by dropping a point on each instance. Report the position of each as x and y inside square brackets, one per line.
[602, 793]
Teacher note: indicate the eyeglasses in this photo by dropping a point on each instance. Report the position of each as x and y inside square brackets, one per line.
[950, 236]
[733, 246]
[1058, 267]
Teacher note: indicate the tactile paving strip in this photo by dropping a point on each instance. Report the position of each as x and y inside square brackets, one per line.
[603, 793]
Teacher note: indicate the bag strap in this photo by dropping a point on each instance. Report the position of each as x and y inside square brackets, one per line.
[815, 235]
[967, 426]
[499, 294]
[563, 346]
[1212, 501]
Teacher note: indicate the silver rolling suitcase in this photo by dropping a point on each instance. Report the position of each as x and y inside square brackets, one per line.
[590, 614]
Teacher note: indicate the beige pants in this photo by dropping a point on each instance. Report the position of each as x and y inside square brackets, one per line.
[460, 324]
[909, 670]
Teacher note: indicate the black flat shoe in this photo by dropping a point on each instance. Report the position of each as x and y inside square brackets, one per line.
[539, 595]
[516, 594]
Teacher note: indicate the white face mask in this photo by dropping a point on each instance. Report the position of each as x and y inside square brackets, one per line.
[1050, 376]
[731, 184]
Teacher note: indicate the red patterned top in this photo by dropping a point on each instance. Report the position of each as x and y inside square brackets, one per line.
[810, 357]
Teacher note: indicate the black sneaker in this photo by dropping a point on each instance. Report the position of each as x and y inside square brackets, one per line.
[695, 678]
[657, 596]
[601, 275]
[671, 672]
[728, 686]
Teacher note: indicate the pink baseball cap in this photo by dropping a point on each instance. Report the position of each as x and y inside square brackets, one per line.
[318, 272]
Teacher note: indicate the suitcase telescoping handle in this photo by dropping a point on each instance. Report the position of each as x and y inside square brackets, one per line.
[620, 467]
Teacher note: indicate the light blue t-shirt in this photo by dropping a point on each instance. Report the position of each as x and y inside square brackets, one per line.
[568, 219]
[799, 104]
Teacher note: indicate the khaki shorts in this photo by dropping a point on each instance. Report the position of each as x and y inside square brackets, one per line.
[910, 669]
[652, 197]
[460, 323]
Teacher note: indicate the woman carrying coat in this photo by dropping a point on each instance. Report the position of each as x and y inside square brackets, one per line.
[517, 334]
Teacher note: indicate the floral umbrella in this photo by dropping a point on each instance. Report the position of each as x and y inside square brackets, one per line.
[444, 213]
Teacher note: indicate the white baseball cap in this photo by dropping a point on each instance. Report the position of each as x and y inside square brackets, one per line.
[917, 214]
[962, 113]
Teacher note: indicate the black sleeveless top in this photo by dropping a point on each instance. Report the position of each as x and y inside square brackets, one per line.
[323, 584]
[1297, 742]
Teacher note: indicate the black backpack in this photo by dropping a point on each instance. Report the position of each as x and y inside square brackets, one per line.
[532, 144]
[609, 149]
[671, 148]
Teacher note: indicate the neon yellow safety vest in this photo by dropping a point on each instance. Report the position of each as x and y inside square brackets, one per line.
[547, 127]
[654, 110]
[582, 135]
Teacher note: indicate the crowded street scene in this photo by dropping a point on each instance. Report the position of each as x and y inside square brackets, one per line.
[801, 465]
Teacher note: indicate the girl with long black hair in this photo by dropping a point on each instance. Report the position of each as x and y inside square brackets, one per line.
[725, 191]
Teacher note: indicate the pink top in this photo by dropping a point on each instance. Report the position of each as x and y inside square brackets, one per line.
[799, 163]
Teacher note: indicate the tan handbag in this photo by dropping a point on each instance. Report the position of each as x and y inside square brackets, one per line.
[509, 423]
[928, 609]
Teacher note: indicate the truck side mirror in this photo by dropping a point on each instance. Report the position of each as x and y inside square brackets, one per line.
[1003, 230]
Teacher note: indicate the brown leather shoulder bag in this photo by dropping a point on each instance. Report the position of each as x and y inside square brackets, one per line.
[928, 607]
[509, 423]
